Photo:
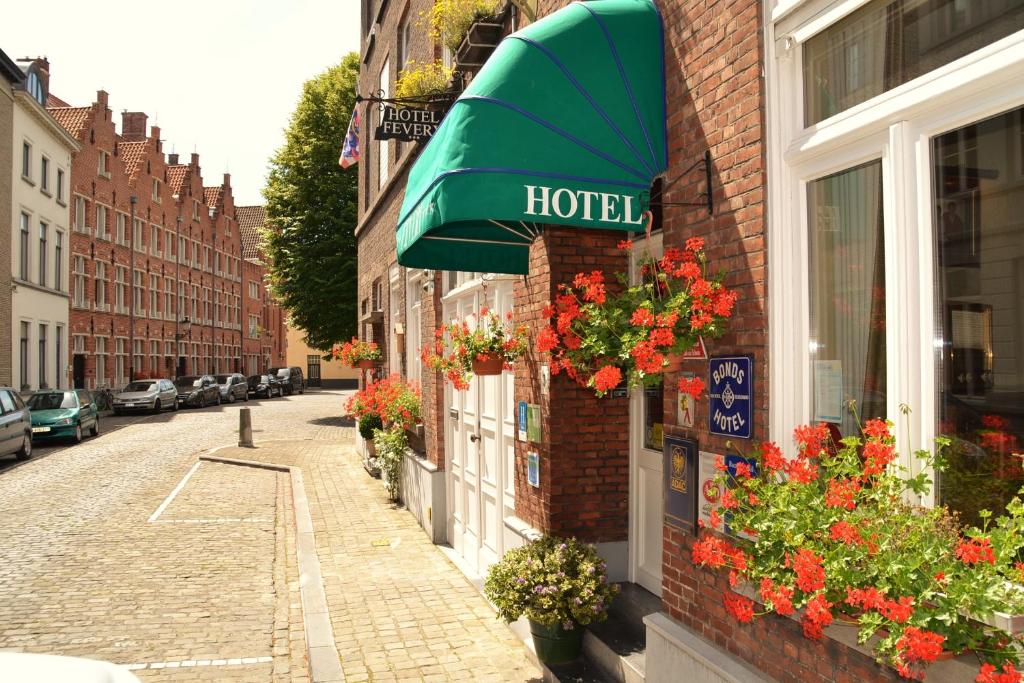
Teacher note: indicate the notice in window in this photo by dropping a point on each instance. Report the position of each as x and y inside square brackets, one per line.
[828, 391]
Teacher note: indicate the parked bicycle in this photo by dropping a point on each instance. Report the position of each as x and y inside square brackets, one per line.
[104, 398]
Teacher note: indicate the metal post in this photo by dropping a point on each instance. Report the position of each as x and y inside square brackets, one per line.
[131, 299]
[244, 428]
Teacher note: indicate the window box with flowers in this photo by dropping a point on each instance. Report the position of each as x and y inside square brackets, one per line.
[358, 354]
[830, 536]
[387, 405]
[488, 348]
[423, 82]
[601, 335]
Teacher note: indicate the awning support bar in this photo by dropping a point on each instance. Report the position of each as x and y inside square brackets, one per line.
[708, 199]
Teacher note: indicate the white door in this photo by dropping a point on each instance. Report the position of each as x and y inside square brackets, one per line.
[479, 432]
[646, 434]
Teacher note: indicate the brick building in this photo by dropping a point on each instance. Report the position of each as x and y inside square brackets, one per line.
[265, 343]
[881, 192]
[156, 256]
[10, 77]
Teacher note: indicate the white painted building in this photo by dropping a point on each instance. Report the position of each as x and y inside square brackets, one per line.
[40, 249]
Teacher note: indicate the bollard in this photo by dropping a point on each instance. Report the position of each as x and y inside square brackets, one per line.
[245, 428]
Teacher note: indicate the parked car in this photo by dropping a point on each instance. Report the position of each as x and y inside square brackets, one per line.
[146, 394]
[15, 425]
[197, 391]
[24, 666]
[291, 379]
[265, 386]
[232, 387]
[63, 415]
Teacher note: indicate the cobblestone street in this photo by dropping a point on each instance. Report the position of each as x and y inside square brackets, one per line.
[124, 548]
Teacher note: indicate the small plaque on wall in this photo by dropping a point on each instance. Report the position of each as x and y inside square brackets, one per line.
[533, 432]
[680, 467]
[533, 469]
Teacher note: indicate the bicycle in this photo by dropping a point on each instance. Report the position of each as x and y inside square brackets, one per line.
[104, 398]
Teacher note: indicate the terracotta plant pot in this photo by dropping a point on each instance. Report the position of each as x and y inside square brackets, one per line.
[554, 644]
[490, 365]
[366, 364]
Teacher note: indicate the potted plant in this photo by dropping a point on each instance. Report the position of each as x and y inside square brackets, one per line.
[368, 424]
[488, 348]
[600, 336]
[390, 447]
[421, 80]
[830, 535]
[450, 20]
[358, 354]
[559, 585]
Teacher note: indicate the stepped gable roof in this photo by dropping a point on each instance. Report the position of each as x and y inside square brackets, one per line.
[132, 152]
[176, 176]
[213, 195]
[72, 119]
[250, 222]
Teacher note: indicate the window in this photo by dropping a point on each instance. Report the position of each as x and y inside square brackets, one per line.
[43, 252]
[78, 295]
[168, 297]
[155, 243]
[59, 362]
[23, 251]
[80, 222]
[154, 294]
[979, 290]
[138, 293]
[42, 356]
[101, 222]
[44, 174]
[101, 360]
[60, 185]
[58, 260]
[23, 356]
[138, 235]
[254, 290]
[156, 190]
[847, 295]
[254, 327]
[121, 237]
[101, 165]
[101, 286]
[384, 87]
[121, 289]
[887, 43]
[195, 209]
[26, 161]
[120, 361]
[182, 309]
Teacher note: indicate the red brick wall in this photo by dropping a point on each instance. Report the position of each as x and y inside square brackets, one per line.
[584, 454]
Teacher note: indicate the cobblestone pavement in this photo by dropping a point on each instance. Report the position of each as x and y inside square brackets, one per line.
[208, 588]
[207, 591]
[399, 609]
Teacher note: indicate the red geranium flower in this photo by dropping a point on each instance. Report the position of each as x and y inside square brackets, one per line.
[695, 244]
[642, 317]
[817, 615]
[607, 378]
[625, 245]
[919, 645]
[771, 457]
[810, 570]
[840, 493]
[741, 608]
[989, 674]
[975, 551]
[694, 386]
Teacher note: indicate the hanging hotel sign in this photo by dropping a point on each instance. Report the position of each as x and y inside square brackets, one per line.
[680, 468]
[731, 390]
[407, 123]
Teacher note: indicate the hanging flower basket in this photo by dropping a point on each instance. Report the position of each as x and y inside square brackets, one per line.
[487, 348]
[357, 354]
[602, 333]
[488, 365]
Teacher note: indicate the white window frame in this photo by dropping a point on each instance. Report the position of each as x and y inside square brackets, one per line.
[897, 127]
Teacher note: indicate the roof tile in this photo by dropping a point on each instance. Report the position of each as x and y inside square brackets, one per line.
[73, 119]
[132, 153]
[250, 222]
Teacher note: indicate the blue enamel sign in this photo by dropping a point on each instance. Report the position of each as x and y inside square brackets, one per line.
[521, 415]
[731, 390]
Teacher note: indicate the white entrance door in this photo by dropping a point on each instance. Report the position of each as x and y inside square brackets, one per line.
[479, 432]
[646, 434]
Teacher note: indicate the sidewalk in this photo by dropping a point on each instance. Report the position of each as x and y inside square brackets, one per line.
[399, 609]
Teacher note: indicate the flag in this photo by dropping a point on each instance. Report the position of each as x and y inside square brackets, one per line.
[350, 150]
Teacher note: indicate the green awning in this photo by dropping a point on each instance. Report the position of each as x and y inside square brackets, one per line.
[564, 124]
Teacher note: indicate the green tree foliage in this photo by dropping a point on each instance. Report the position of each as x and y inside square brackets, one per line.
[312, 211]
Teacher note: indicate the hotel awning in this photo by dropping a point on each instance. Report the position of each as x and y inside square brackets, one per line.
[564, 124]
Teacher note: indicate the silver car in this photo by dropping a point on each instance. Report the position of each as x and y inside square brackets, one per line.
[232, 387]
[146, 394]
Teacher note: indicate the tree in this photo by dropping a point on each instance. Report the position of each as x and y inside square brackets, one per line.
[311, 210]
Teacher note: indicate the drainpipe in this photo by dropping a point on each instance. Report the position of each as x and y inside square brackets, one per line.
[131, 300]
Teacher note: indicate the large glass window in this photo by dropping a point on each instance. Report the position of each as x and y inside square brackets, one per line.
[847, 296]
[889, 42]
[979, 293]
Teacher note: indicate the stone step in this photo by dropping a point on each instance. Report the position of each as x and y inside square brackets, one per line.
[617, 645]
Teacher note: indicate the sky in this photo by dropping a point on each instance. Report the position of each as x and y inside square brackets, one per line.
[219, 77]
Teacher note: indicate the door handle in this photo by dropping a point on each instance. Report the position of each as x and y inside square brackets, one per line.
[474, 437]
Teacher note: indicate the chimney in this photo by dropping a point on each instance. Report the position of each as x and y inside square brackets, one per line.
[172, 159]
[133, 125]
[101, 98]
[227, 180]
[195, 160]
[154, 133]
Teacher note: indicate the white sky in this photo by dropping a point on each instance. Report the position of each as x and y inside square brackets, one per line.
[220, 77]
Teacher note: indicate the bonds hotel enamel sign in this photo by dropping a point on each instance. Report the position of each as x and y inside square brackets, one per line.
[406, 124]
[731, 390]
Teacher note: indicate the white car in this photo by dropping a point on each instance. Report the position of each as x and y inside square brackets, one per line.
[22, 667]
